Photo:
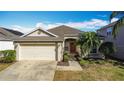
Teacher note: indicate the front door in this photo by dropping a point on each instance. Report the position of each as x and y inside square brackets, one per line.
[72, 47]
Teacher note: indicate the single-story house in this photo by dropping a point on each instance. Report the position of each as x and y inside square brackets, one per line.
[6, 38]
[49, 44]
[106, 31]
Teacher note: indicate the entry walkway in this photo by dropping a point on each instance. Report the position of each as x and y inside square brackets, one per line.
[73, 66]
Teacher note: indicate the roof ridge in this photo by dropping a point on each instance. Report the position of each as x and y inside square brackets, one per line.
[12, 31]
[64, 26]
[6, 31]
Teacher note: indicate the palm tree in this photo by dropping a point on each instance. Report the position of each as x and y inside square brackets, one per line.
[119, 23]
[88, 41]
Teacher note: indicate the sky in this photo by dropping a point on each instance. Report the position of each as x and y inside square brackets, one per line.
[26, 21]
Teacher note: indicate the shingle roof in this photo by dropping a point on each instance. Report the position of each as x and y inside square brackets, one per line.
[15, 32]
[3, 38]
[62, 30]
[38, 38]
[8, 34]
[109, 25]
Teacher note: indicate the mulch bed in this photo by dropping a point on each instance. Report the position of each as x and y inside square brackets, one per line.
[61, 63]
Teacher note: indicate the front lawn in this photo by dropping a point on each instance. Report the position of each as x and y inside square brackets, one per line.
[5, 65]
[93, 71]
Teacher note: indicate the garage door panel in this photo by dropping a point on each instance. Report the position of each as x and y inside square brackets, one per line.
[38, 52]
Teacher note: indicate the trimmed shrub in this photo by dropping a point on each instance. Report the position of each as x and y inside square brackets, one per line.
[8, 56]
[84, 63]
[66, 53]
[66, 57]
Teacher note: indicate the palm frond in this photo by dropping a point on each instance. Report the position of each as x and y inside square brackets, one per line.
[115, 14]
[87, 41]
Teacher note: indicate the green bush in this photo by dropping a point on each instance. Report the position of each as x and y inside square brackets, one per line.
[107, 48]
[83, 62]
[66, 57]
[65, 53]
[101, 62]
[8, 56]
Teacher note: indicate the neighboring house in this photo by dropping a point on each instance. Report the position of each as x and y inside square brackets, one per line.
[6, 38]
[106, 31]
[47, 44]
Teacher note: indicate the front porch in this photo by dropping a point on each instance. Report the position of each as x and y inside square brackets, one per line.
[70, 45]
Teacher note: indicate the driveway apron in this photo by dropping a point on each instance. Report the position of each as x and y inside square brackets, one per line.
[29, 71]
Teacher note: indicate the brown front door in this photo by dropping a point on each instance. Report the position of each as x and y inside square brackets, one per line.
[72, 47]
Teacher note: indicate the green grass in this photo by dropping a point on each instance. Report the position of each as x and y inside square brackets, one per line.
[93, 72]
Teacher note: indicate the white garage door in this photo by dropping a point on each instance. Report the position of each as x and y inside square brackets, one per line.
[37, 52]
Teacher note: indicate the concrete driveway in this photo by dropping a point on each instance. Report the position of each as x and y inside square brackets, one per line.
[29, 70]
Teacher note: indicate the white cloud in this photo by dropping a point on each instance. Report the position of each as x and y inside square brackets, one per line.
[41, 25]
[114, 19]
[92, 25]
[21, 29]
[48, 26]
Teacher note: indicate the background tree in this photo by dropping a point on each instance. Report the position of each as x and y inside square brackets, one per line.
[119, 23]
[107, 48]
[88, 41]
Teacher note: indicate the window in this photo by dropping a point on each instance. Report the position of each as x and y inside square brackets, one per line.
[94, 50]
[109, 31]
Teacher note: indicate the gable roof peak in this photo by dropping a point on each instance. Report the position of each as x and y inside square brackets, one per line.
[39, 28]
[65, 26]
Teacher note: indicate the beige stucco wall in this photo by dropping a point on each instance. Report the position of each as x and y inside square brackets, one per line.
[17, 46]
[78, 49]
[67, 37]
[60, 51]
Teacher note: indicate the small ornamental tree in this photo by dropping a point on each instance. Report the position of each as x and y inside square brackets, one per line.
[87, 41]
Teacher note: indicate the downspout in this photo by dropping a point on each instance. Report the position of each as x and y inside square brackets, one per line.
[56, 51]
